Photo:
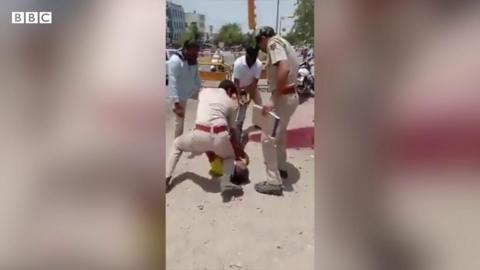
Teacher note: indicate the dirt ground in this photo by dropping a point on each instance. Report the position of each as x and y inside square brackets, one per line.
[253, 231]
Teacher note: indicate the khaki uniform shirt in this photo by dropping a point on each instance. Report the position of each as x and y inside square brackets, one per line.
[279, 49]
[215, 108]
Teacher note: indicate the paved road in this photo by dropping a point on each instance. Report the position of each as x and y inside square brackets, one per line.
[203, 232]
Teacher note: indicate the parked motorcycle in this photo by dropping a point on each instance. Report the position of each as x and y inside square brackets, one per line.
[305, 78]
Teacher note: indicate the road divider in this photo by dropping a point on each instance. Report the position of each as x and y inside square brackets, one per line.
[225, 72]
[222, 72]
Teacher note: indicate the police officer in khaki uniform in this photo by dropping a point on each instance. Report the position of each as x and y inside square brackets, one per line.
[282, 74]
[214, 132]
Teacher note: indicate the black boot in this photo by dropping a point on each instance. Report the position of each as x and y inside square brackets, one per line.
[268, 188]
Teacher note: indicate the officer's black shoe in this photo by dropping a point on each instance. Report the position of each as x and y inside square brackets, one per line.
[283, 174]
[269, 189]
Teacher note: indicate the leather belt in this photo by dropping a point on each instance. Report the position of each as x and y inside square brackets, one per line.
[215, 130]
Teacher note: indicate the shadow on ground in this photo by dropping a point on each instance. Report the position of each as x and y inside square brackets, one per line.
[208, 185]
[228, 196]
[293, 177]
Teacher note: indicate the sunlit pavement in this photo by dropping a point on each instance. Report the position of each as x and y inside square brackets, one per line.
[204, 232]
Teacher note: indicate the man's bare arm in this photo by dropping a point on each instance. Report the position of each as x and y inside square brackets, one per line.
[252, 89]
[253, 86]
[237, 83]
[239, 152]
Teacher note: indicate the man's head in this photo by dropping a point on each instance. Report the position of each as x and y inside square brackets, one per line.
[228, 86]
[262, 37]
[251, 56]
[240, 174]
[190, 51]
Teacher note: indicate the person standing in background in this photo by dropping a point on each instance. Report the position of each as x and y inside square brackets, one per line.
[184, 81]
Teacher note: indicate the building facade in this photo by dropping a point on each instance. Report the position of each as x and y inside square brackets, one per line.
[199, 20]
[175, 23]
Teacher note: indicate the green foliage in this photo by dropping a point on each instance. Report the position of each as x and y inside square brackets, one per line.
[249, 40]
[303, 32]
[192, 33]
[231, 34]
[291, 37]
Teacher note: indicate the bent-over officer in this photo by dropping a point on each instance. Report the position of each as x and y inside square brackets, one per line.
[214, 132]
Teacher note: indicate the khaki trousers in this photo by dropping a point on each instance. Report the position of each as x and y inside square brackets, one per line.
[198, 142]
[274, 149]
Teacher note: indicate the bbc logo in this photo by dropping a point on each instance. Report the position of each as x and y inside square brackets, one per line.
[19, 17]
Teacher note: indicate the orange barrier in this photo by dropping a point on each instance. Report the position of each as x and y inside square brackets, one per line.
[203, 62]
[217, 75]
[213, 76]
[223, 75]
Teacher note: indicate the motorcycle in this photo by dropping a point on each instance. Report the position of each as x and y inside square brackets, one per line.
[305, 78]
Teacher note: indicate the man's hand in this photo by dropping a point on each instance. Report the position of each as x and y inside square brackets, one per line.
[243, 156]
[178, 110]
[267, 107]
[241, 164]
[244, 97]
[245, 159]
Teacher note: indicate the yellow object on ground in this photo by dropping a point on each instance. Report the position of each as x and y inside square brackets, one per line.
[216, 166]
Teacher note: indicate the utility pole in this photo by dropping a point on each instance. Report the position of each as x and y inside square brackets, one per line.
[252, 24]
[278, 12]
[280, 26]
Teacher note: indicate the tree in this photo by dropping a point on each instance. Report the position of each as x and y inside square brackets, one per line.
[230, 34]
[192, 33]
[249, 40]
[304, 22]
[291, 37]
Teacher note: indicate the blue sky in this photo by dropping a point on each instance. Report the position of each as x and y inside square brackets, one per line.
[219, 12]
